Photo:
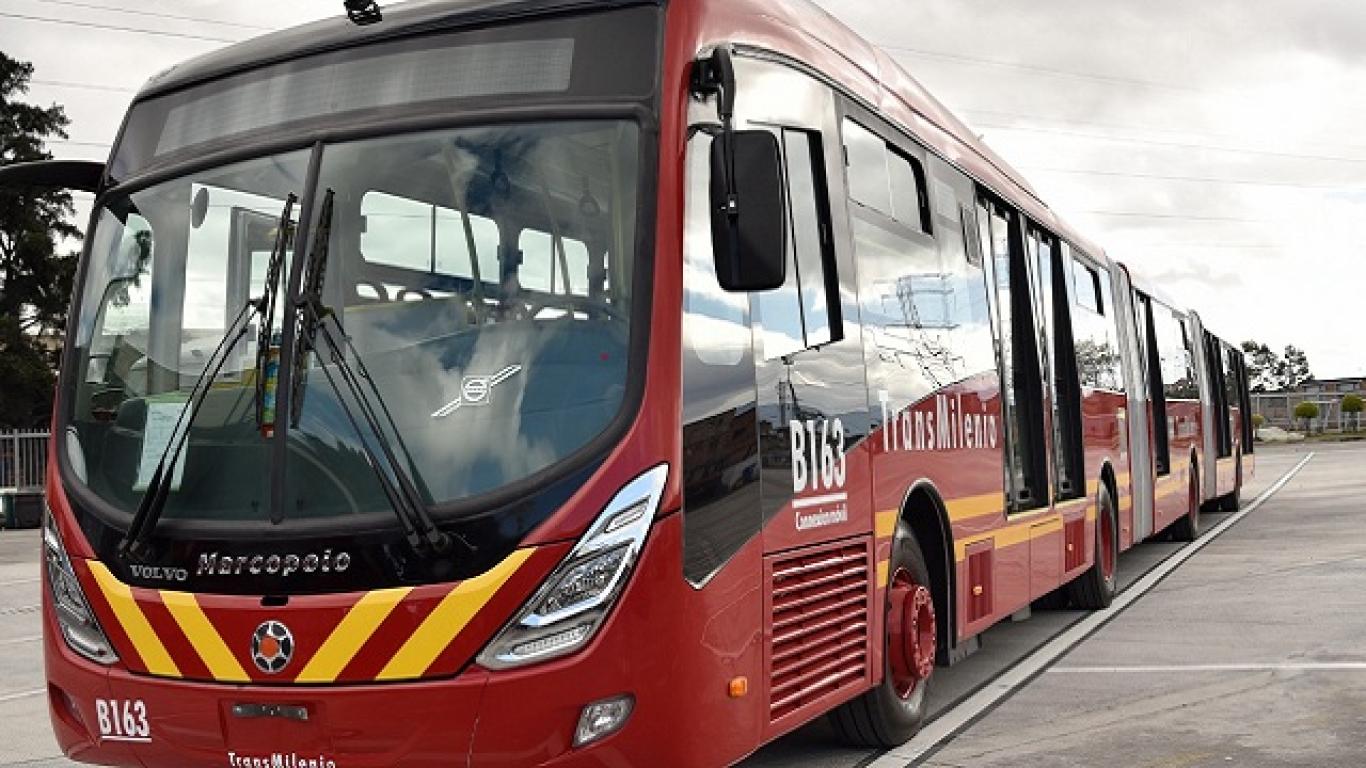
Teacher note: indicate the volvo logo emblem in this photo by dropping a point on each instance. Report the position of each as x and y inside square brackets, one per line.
[476, 391]
[272, 646]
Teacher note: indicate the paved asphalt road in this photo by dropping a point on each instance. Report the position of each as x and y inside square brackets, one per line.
[1216, 666]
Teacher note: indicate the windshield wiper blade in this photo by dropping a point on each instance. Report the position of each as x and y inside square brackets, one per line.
[398, 486]
[159, 487]
[265, 339]
[134, 542]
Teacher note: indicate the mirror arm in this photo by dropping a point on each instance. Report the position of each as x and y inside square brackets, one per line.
[715, 74]
[81, 175]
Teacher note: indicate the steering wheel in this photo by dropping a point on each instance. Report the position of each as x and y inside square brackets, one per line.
[576, 302]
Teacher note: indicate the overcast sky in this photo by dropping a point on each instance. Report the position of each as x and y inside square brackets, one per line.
[1214, 145]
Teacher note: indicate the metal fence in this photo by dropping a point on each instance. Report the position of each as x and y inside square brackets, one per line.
[23, 461]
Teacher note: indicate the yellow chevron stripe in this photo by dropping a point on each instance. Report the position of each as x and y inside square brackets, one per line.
[448, 618]
[134, 622]
[883, 568]
[885, 524]
[205, 639]
[351, 635]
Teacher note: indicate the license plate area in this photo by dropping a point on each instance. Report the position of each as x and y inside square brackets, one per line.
[262, 730]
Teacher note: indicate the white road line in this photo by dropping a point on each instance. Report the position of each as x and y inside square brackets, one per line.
[1288, 666]
[19, 581]
[18, 640]
[958, 719]
[22, 694]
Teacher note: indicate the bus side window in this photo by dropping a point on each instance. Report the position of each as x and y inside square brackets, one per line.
[1022, 407]
[1097, 350]
[804, 312]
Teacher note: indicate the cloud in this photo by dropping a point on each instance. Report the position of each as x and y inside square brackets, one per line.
[1212, 145]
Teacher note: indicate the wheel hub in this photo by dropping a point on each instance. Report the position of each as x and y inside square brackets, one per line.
[911, 633]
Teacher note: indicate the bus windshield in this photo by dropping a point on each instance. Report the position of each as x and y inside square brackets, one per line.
[481, 275]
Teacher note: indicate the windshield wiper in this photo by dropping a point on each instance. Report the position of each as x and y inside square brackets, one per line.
[134, 542]
[265, 340]
[398, 486]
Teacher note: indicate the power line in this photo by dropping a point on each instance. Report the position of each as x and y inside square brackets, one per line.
[1202, 246]
[68, 142]
[85, 86]
[1178, 144]
[152, 14]
[1132, 128]
[1112, 79]
[116, 28]
[1181, 216]
[1202, 179]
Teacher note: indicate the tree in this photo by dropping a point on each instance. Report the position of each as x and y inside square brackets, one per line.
[35, 282]
[1353, 404]
[1261, 364]
[1307, 412]
[1293, 369]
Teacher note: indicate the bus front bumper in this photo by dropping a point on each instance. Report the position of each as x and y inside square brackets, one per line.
[503, 719]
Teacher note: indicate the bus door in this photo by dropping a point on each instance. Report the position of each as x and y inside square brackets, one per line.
[1017, 302]
[813, 421]
[1133, 346]
[809, 382]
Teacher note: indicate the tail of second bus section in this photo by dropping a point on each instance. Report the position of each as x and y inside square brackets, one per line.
[636, 402]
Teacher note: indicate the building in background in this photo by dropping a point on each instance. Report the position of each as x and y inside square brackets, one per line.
[1278, 408]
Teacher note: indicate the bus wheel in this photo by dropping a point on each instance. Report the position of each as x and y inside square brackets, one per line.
[1188, 527]
[1095, 589]
[1230, 501]
[891, 713]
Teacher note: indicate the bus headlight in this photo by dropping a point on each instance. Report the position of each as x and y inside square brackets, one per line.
[570, 606]
[79, 627]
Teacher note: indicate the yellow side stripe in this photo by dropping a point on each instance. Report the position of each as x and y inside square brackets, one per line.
[883, 567]
[885, 524]
[966, 507]
[1017, 533]
[351, 635]
[134, 622]
[448, 618]
[205, 639]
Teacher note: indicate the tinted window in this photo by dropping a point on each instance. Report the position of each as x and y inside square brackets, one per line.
[1178, 378]
[910, 205]
[798, 315]
[1097, 348]
[806, 218]
[866, 155]
[411, 234]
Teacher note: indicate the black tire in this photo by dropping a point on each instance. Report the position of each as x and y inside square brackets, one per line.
[883, 717]
[1188, 527]
[1095, 589]
[1230, 501]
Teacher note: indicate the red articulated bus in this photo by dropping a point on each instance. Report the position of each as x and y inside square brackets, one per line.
[545, 382]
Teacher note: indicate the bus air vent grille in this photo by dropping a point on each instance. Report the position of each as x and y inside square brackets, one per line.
[819, 642]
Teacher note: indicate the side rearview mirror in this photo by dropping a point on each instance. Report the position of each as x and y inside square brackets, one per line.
[81, 175]
[748, 232]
